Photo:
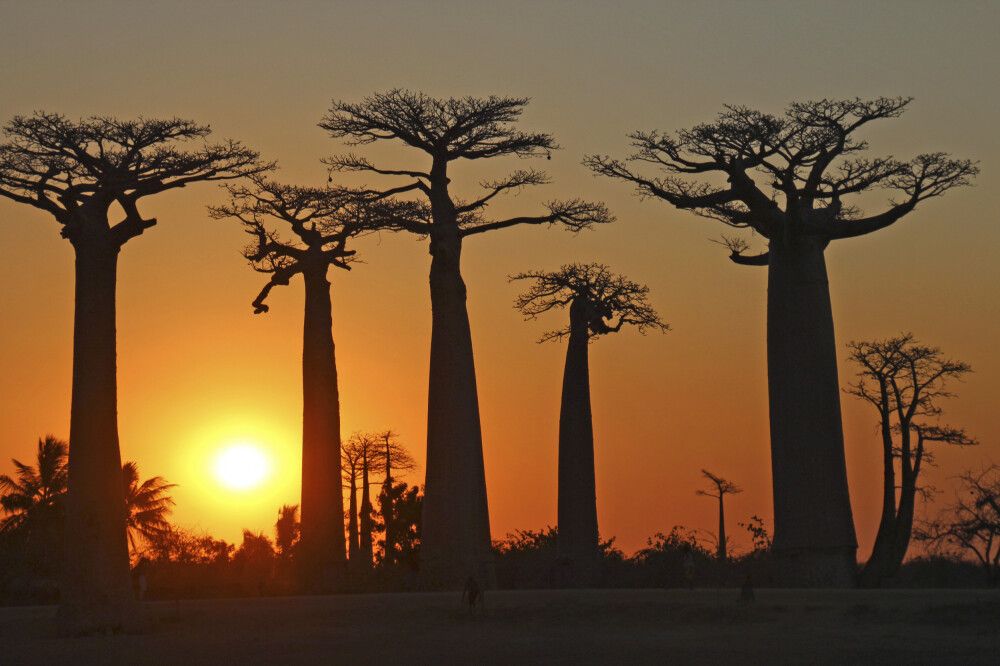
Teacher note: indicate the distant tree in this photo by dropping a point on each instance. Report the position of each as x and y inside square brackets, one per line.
[810, 157]
[183, 546]
[322, 222]
[78, 172]
[286, 530]
[147, 505]
[904, 381]
[759, 538]
[403, 509]
[599, 303]
[255, 562]
[971, 526]
[720, 488]
[456, 542]
[351, 461]
[396, 458]
[35, 496]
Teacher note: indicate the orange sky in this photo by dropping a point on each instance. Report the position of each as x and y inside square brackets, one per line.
[197, 369]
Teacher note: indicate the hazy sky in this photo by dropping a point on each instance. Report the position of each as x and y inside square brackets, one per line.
[197, 369]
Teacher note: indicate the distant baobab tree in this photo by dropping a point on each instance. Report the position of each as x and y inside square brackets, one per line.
[83, 173]
[810, 157]
[456, 536]
[322, 221]
[395, 458]
[904, 381]
[720, 488]
[599, 303]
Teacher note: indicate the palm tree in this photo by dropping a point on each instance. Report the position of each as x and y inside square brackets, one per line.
[37, 491]
[147, 506]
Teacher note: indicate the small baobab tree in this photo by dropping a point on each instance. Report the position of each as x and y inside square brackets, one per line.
[456, 535]
[599, 303]
[970, 527]
[396, 459]
[720, 488]
[904, 381]
[788, 178]
[322, 221]
[85, 173]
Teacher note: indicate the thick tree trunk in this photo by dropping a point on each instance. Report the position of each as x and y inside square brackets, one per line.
[813, 526]
[366, 518]
[96, 592]
[875, 569]
[455, 541]
[353, 534]
[721, 551]
[577, 541]
[322, 540]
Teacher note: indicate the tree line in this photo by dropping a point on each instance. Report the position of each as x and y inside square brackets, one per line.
[791, 179]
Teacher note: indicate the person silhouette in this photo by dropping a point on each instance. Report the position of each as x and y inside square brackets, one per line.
[472, 594]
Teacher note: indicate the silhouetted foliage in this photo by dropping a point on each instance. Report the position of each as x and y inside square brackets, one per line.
[34, 496]
[904, 381]
[286, 530]
[456, 521]
[970, 527]
[147, 506]
[790, 179]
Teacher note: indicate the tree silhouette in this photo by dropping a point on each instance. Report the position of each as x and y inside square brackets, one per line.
[599, 303]
[972, 524]
[78, 172]
[147, 506]
[362, 455]
[720, 488]
[286, 530]
[351, 460]
[456, 537]
[322, 222]
[394, 457]
[35, 496]
[903, 380]
[810, 157]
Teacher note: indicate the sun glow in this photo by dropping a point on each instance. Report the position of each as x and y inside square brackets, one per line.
[242, 467]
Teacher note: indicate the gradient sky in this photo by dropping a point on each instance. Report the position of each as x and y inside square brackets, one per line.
[197, 369]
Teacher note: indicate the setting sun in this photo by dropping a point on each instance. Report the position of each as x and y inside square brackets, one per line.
[241, 467]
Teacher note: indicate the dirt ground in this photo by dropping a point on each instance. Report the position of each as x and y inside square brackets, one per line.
[540, 627]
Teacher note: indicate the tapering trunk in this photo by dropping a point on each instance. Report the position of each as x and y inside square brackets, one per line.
[456, 527]
[96, 592]
[353, 534]
[721, 551]
[577, 541]
[366, 518]
[385, 506]
[813, 526]
[876, 568]
[322, 540]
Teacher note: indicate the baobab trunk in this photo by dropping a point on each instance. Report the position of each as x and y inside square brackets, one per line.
[353, 535]
[577, 541]
[455, 533]
[721, 551]
[366, 516]
[813, 526]
[96, 592]
[322, 530]
[875, 568]
[386, 507]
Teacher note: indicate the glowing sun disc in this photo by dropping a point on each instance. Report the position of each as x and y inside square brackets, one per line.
[241, 467]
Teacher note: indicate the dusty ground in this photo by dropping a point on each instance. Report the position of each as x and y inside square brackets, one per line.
[588, 626]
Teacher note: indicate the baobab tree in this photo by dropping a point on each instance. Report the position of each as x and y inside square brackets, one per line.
[396, 458]
[904, 381]
[83, 173]
[720, 488]
[599, 303]
[351, 461]
[456, 536]
[787, 179]
[322, 222]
